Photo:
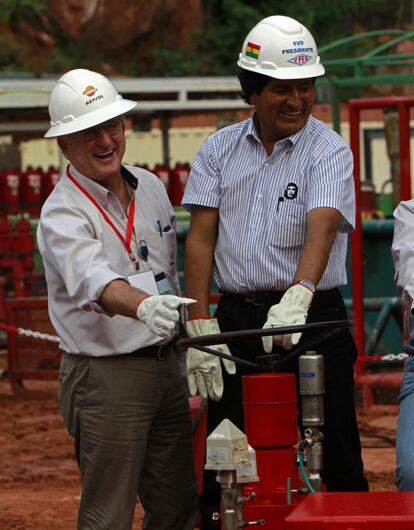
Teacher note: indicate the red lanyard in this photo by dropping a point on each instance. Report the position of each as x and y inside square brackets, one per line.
[130, 226]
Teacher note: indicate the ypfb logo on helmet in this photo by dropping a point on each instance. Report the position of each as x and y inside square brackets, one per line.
[300, 59]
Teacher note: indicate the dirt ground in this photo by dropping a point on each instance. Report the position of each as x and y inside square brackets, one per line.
[39, 480]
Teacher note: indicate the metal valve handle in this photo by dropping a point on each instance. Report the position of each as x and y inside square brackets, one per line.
[265, 362]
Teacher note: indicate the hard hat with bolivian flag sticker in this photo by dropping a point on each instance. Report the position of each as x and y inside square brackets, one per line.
[82, 99]
[281, 47]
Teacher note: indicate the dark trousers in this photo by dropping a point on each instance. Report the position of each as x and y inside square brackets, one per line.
[342, 462]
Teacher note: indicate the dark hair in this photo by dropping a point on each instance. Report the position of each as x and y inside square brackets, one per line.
[251, 83]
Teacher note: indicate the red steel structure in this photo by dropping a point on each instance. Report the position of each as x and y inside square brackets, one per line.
[403, 105]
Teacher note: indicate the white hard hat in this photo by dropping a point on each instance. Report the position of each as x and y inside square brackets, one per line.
[281, 47]
[82, 99]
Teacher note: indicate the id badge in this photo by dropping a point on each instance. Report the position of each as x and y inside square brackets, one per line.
[144, 281]
[162, 284]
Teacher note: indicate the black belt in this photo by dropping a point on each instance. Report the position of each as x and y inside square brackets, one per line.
[154, 352]
[256, 298]
[272, 297]
[158, 352]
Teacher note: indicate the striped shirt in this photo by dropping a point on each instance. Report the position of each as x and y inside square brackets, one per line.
[263, 202]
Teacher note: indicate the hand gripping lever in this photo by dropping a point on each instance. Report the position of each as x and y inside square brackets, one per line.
[264, 362]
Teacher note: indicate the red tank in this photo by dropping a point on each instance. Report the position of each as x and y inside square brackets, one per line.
[31, 191]
[9, 191]
[163, 173]
[49, 181]
[178, 181]
[270, 424]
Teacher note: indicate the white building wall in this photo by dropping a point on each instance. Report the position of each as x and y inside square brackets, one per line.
[142, 147]
[146, 147]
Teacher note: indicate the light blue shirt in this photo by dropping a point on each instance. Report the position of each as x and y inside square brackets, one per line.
[262, 220]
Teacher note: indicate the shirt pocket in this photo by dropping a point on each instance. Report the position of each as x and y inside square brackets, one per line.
[162, 250]
[290, 225]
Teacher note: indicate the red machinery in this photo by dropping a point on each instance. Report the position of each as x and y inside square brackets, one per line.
[270, 415]
[270, 418]
[273, 493]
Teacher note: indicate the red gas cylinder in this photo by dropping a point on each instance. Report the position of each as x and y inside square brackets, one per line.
[6, 237]
[31, 191]
[178, 180]
[163, 173]
[9, 191]
[270, 423]
[49, 181]
[23, 241]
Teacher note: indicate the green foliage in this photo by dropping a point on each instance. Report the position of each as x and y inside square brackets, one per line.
[9, 53]
[214, 49]
[69, 54]
[14, 11]
[227, 22]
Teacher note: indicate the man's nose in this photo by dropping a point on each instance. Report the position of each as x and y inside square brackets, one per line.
[295, 98]
[102, 135]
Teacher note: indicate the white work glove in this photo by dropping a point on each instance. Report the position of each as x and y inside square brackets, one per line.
[290, 311]
[159, 313]
[203, 369]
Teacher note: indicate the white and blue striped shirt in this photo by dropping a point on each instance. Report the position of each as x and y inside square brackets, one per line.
[261, 227]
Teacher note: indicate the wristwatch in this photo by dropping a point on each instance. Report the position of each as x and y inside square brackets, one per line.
[306, 283]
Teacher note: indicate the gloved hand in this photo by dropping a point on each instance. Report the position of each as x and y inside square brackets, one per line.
[204, 370]
[291, 310]
[159, 313]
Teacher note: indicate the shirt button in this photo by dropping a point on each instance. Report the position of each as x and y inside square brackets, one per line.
[259, 196]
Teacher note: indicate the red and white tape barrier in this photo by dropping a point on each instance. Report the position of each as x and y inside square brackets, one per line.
[29, 333]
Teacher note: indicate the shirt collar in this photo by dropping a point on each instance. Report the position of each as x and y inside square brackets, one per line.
[100, 193]
[290, 141]
[252, 129]
[129, 177]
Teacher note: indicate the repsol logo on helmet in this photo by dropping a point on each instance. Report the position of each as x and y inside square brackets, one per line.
[92, 100]
[90, 91]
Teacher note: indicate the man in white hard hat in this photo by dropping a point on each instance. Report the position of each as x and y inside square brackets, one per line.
[114, 301]
[272, 206]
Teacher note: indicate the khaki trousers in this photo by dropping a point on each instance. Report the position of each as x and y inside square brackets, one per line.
[133, 436]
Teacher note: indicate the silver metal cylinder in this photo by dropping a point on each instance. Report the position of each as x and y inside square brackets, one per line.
[311, 388]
